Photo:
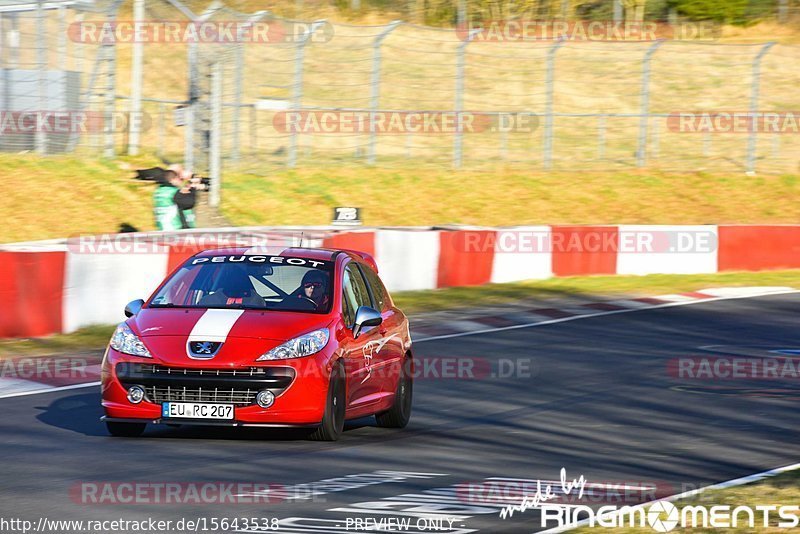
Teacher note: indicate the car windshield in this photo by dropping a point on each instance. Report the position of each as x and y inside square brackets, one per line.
[249, 282]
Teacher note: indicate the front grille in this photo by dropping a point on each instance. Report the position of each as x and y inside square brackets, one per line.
[228, 386]
[238, 397]
[156, 370]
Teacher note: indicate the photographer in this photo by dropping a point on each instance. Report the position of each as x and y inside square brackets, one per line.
[174, 199]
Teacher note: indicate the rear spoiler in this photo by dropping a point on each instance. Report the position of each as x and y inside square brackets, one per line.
[368, 259]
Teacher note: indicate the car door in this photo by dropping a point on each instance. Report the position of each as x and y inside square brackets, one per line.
[390, 348]
[363, 387]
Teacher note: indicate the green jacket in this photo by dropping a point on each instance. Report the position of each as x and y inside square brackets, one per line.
[166, 211]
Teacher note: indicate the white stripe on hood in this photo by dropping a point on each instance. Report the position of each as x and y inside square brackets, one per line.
[215, 325]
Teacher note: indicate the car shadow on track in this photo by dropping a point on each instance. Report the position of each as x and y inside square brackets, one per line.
[81, 413]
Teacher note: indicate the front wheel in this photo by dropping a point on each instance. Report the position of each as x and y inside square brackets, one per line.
[333, 418]
[125, 430]
[400, 413]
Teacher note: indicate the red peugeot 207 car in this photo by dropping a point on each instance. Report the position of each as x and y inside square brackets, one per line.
[304, 337]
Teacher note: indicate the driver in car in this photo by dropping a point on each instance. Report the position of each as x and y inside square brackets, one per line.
[315, 288]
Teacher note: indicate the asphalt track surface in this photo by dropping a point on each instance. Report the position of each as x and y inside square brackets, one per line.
[600, 403]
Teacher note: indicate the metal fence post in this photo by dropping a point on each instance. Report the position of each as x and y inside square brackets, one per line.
[77, 50]
[62, 39]
[753, 139]
[188, 117]
[644, 110]
[237, 109]
[237, 100]
[13, 44]
[297, 86]
[617, 11]
[194, 84]
[783, 11]
[110, 58]
[548, 113]
[134, 122]
[458, 136]
[215, 152]
[41, 61]
[111, 102]
[375, 86]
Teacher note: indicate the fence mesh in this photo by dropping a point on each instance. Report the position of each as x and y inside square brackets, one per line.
[570, 105]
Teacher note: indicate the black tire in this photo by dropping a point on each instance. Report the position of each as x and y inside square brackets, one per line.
[400, 412]
[125, 430]
[333, 418]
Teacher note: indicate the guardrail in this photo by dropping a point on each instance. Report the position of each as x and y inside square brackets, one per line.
[62, 285]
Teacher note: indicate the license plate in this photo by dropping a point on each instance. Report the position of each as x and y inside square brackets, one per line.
[194, 410]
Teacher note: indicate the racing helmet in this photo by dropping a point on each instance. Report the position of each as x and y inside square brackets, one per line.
[319, 281]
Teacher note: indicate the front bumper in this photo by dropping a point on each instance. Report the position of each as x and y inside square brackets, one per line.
[195, 422]
[300, 387]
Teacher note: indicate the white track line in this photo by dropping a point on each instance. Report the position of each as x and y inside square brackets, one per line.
[501, 328]
[602, 314]
[49, 390]
[722, 485]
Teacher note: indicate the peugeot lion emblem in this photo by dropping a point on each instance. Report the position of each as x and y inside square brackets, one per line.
[203, 350]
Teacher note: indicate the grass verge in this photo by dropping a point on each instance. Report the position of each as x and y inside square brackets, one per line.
[599, 287]
[96, 196]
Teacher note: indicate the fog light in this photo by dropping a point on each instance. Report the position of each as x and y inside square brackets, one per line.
[265, 398]
[136, 394]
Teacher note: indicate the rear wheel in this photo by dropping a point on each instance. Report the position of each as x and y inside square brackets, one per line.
[125, 430]
[400, 412]
[333, 418]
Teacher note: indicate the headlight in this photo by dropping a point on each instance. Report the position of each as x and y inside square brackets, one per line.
[124, 340]
[305, 345]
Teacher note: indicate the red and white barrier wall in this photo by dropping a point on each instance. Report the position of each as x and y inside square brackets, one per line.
[58, 286]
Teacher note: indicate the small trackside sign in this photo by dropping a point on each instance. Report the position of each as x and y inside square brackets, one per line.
[347, 216]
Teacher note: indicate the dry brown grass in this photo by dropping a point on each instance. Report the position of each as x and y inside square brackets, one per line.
[62, 196]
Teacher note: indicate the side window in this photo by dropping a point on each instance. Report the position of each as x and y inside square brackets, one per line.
[355, 294]
[375, 284]
[362, 293]
[348, 299]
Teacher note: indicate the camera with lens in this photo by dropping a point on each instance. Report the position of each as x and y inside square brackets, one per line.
[159, 176]
[204, 180]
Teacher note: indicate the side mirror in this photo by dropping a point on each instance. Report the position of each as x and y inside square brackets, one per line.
[366, 316]
[133, 307]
